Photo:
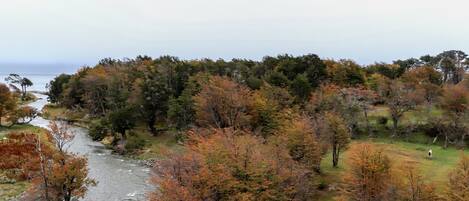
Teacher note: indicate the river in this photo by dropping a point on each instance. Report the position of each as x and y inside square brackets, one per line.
[118, 178]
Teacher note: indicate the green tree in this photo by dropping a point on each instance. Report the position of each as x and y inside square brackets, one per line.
[453, 64]
[300, 87]
[391, 71]
[278, 79]
[56, 87]
[310, 64]
[23, 82]
[181, 110]
[154, 96]
[254, 82]
[122, 120]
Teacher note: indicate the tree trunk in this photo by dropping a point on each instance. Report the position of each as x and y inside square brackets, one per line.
[23, 90]
[335, 156]
[463, 138]
[43, 170]
[151, 125]
[1, 115]
[446, 141]
[395, 122]
[367, 123]
[67, 195]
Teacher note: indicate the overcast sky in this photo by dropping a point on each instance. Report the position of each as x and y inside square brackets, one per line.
[84, 31]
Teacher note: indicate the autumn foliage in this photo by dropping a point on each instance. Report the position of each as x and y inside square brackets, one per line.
[55, 174]
[373, 176]
[370, 174]
[231, 165]
[222, 103]
[459, 180]
[260, 130]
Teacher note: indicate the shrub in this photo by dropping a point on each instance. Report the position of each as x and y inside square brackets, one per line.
[322, 184]
[134, 142]
[254, 83]
[180, 136]
[432, 129]
[382, 120]
[98, 130]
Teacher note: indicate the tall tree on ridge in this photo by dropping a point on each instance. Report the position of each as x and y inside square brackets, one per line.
[23, 82]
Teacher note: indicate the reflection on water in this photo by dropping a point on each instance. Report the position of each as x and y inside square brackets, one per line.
[118, 178]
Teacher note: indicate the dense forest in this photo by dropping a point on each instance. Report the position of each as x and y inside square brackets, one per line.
[283, 128]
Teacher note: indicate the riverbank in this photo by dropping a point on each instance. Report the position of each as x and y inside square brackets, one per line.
[148, 148]
[119, 178]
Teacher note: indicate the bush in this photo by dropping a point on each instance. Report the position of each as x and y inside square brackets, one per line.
[6, 180]
[431, 129]
[180, 136]
[30, 97]
[322, 185]
[98, 130]
[382, 120]
[254, 83]
[134, 142]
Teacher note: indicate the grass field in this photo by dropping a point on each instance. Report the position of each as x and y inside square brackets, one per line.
[51, 111]
[412, 149]
[10, 191]
[434, 170]
[20, 128]
[155, 146]
[401, 150]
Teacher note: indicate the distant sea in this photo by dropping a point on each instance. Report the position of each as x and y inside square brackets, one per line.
[39, 74]
[39, 81]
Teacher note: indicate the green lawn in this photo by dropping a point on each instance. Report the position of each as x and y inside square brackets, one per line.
[434, 170]
[419, 115]
[156, 146]
[411, 149]
[29, 99]
[10, 191]
[52, 111]
[20, 128]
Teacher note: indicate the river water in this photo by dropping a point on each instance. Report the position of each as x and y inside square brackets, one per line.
[118, 178]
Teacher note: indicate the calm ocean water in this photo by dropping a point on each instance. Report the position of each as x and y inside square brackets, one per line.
[39, 81]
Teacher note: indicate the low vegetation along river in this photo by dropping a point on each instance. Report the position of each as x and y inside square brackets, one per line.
[118, 178]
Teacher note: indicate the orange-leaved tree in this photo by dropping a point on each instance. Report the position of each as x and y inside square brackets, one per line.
[299, 135]
[458, 188]
[337, 135]
[414, 187]
[454, 102]
[7, 102]
[222, 103]
[369, 177]
[232, 165]
[43, 159]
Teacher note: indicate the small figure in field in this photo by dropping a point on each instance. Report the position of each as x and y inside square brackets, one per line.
[430, 153]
